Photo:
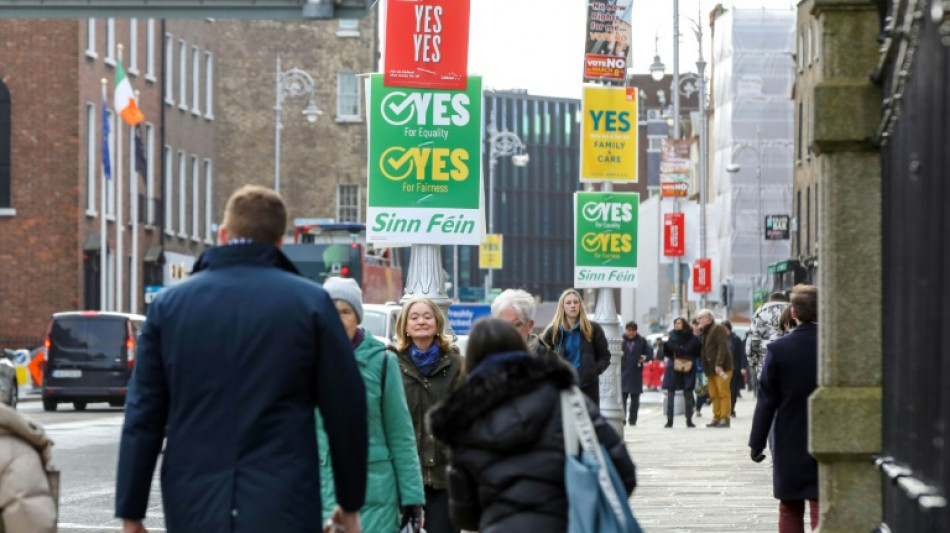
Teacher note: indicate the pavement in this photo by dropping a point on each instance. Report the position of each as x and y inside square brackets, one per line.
[701, 479]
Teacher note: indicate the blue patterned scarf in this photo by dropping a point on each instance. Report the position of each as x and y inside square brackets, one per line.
[425, 361]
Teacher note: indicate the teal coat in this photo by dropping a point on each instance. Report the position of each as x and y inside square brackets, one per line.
[394, 478]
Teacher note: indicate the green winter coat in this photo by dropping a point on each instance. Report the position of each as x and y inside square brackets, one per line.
[393, 474]
[422, 394]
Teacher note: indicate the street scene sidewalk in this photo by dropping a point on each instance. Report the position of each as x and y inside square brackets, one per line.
[701, 479]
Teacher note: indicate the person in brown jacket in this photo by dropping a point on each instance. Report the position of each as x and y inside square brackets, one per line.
[717, 365]
[27, 499]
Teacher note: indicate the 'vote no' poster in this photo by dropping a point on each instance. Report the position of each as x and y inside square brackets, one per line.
[427, 44]
[605, 239]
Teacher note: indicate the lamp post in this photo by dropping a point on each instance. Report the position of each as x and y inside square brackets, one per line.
[500, 144]
[733, 168]
[292, 83]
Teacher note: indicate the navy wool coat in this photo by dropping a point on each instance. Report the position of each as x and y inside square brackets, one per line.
[631, 369]
[789, 375]
[231, 364]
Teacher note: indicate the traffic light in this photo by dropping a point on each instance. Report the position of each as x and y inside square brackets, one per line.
[724, 294]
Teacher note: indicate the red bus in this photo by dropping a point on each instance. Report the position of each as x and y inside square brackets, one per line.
[339, 249]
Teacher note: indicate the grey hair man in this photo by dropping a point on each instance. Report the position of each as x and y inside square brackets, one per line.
[518, 307]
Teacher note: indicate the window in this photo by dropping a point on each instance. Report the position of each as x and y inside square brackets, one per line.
[169, 185]
[110, 183]
[808, 220]
[800, 127]
[817, 44]
[209, 238]
[809, 42]
[6, 161]
[800, 58]
[195, 80]
[182, 75]
[134, 178]
[195, 182]
[348, 28]
[169, 73]
[798, 223]
[133, 47]
[110, 42]
[209, 86]
[347, 97]
[149, 175]
[348, 202]
[92, 140]
[655, 143]
[91, 39]
[182, 194]
[150, 50]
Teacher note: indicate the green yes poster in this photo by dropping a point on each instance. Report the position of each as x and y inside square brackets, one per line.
[605, 239]
[424, 164]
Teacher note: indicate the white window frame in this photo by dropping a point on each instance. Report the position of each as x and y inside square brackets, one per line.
[91, 39]
[209, 85]
[150, 50]
[345, 191]
[169, 188]
[182, 194]
[110, 42]
[149, 175]
[169, 72]
[348, 28]
[182, 75]
[110, 189]
[800, 59]
[195, 198]
[209, 238]
[91, 159]
[817, 44]
[340, 116]
[133, 69]
[195, 81]
[809, 40]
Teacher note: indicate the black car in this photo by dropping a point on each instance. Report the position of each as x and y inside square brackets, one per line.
[89, 358]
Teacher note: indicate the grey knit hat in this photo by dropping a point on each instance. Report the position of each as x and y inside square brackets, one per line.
[348, 290]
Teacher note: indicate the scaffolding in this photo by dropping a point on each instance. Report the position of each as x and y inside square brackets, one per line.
[753, 77]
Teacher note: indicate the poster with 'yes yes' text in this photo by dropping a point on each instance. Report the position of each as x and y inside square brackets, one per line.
[605, 239]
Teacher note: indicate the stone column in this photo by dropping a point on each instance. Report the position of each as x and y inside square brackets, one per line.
[611, 402]
[845, 412]
[427, 278]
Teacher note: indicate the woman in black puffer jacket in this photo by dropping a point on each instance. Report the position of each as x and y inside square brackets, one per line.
[503, 429]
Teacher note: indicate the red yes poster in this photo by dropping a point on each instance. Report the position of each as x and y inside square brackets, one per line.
[427, 44]
[702, 276]
[674, 225]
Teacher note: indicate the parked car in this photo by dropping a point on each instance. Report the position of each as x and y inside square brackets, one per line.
[379, 320]
[9, 388]
[89, 358]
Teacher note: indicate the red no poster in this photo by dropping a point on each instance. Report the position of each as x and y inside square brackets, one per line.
[702, 276]
[427, 44]
[674, 225]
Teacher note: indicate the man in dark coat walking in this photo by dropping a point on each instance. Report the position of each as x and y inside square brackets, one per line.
[739, 364]
[789, 376]
[230, 366]
[636, 351]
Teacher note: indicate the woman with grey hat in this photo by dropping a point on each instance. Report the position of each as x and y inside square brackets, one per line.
[394, 493]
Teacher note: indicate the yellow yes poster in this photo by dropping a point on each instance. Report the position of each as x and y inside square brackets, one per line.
[609, 146]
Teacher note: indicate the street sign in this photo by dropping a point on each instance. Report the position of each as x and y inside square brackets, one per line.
[777, 227]
[462, 316]
[674, 226]
[427, 44]
[490, 252]
[471, 294]
[674, 189]
[605, 239]
[609, 146]
[702, 275]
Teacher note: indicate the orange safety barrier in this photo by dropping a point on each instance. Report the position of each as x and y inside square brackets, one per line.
[36, 366]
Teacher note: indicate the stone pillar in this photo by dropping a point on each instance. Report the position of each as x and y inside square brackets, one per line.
[845, 412]
[611, 401]
[426, 278]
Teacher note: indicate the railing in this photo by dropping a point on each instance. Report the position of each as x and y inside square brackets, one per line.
[915, 467]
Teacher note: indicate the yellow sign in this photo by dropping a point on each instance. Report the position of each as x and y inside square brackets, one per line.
[609, 147]
[490, 251]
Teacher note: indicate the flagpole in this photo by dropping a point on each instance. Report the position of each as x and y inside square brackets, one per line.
[119, 222]
[103, 238]
[134, 273]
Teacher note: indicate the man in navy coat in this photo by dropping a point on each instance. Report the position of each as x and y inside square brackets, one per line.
[231, 364]
[789, 375]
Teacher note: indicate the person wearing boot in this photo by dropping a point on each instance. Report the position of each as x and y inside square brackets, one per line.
[682, 349]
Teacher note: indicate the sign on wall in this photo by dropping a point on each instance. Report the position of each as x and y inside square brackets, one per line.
[609, 146]
[424, 167]
[777, 227]
[427, 44]
[674, 228]
[463, 316]
[605, 239]
[607, 39]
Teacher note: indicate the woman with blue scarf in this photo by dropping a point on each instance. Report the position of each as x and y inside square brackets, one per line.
[503, 427]
[580, 341]
[431, 369]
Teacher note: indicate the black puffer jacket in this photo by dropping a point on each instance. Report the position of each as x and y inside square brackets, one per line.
[506, 467]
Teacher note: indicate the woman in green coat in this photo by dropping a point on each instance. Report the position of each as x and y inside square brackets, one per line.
[394, 482]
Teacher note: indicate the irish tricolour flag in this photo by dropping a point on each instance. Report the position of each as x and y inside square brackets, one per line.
[125, 99]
